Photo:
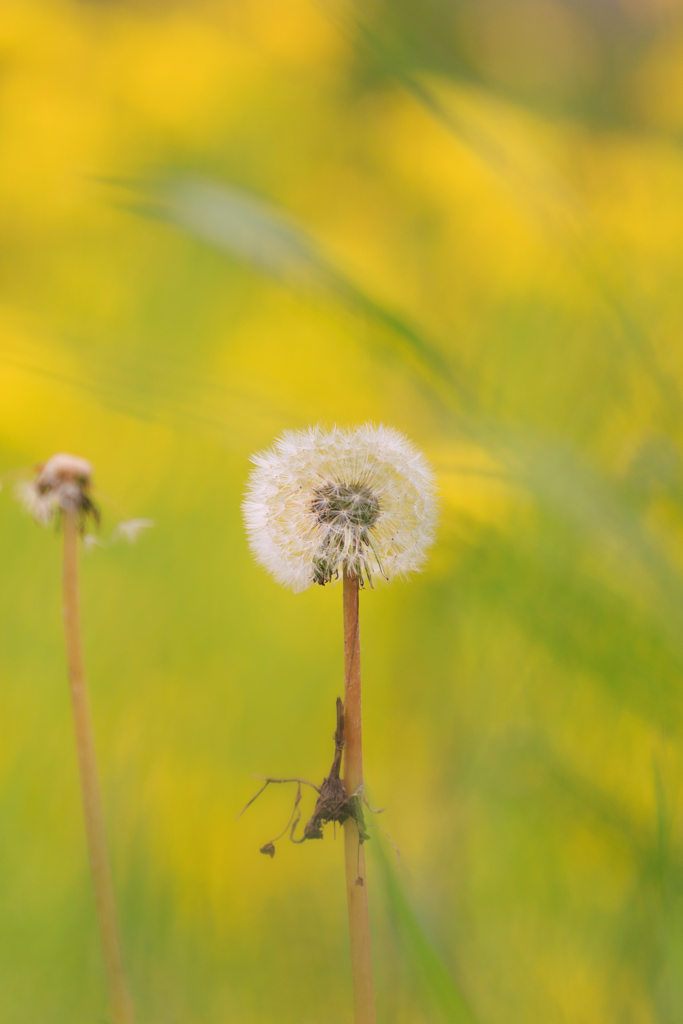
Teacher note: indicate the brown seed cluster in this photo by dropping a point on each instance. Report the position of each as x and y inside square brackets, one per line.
[334, 803]
[347, 512]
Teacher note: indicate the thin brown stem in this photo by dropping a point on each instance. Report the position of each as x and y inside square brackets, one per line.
[92, 802]
[266, 782]
[356, 881]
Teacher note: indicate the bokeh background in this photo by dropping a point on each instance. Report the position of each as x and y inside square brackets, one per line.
[224, 218]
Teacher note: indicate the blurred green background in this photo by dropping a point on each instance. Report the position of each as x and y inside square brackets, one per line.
[460, 217]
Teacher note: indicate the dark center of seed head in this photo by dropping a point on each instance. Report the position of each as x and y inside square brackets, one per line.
[345, 504]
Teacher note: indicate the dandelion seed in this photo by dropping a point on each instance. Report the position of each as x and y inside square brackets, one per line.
[359, 500]
[91, 541]
[130, 529]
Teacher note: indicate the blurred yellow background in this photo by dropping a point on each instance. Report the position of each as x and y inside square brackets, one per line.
[219, 220]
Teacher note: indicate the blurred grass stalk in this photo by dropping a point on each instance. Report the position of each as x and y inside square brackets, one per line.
[421, 953]
[92, 801]
[354, 854]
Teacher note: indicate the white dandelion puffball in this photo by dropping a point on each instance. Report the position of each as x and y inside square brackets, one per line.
[359, 500]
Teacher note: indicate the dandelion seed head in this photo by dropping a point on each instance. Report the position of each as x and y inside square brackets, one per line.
[62, 484]
[321, 502]
[61, 469]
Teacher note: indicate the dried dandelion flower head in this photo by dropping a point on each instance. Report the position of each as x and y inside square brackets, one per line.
[322, 502]
[62, 484]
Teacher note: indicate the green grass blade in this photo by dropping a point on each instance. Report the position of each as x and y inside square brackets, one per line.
[266, 238]
[424, 959]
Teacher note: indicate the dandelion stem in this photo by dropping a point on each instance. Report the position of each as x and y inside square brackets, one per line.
[92, 803]
[356, 882]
